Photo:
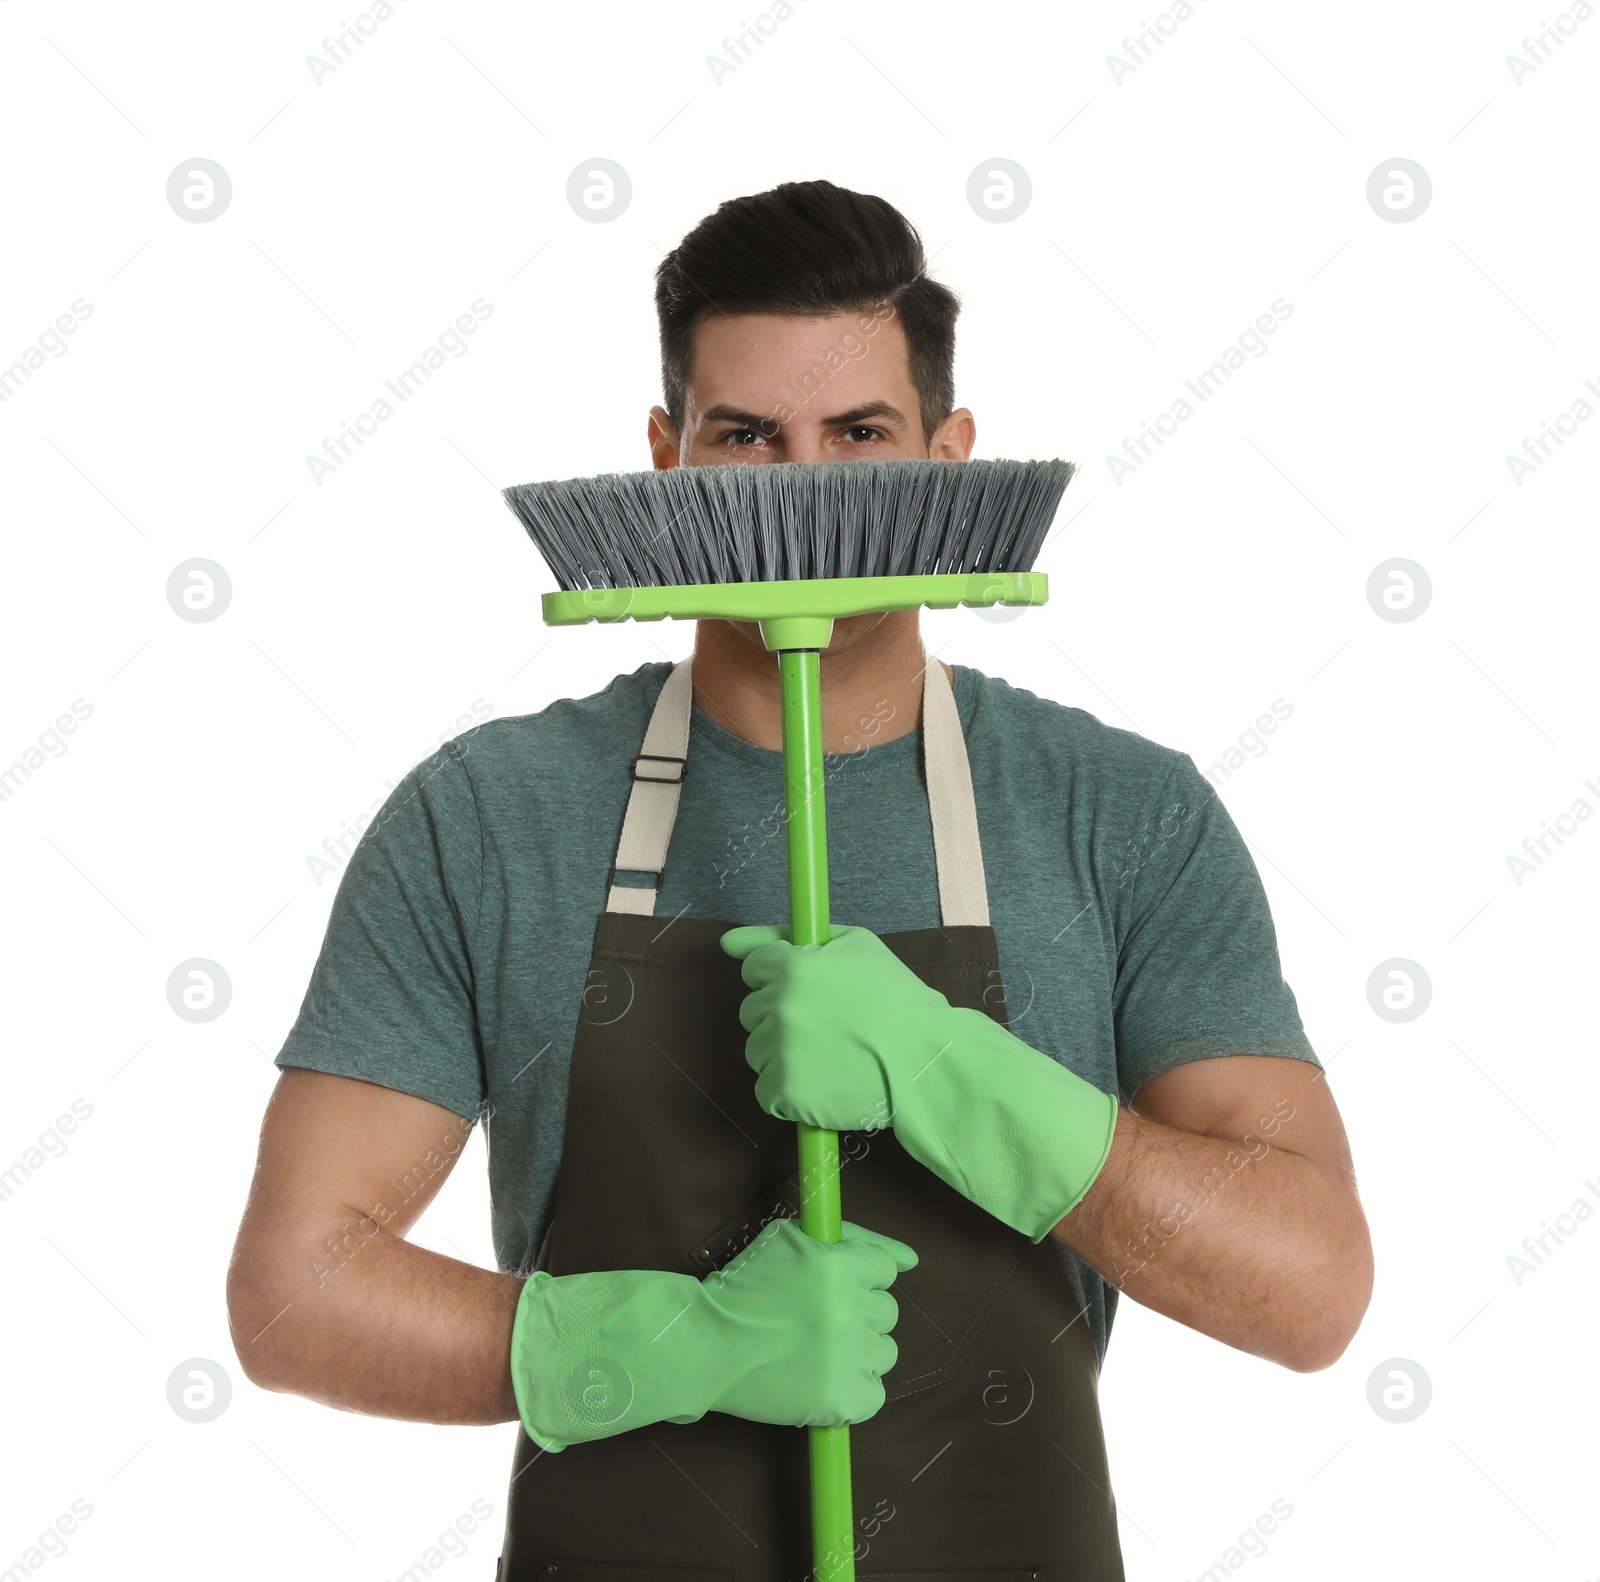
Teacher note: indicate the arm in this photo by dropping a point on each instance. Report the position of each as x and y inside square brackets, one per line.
[1228, 1202]
[327, 1299]
[1224, 1198]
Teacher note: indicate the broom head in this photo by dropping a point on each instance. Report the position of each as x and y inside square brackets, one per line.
[787, 542]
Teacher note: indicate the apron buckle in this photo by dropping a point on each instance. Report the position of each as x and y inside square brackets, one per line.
[660, 779]
[660, 877]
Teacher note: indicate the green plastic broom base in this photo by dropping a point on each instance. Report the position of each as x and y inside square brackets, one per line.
[798, 614]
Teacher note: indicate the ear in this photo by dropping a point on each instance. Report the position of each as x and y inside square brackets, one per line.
[954, 438]
[663, 439]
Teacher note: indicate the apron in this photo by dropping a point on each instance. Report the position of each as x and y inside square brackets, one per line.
[987, 1458]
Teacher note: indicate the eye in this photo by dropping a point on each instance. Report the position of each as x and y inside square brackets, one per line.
[743, 438]
[856, 430]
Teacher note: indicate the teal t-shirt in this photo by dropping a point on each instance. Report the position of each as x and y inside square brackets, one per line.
[1133, 929]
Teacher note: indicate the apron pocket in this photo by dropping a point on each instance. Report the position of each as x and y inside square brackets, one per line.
[600, 1571]
[1004, 1574]
[945, 1302]
[729, 1239]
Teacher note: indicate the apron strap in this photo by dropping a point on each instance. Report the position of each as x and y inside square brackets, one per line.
[659, 769]
[958, 853]
[658, 773]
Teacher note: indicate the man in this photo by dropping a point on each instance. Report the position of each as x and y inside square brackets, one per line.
[1161, 1125]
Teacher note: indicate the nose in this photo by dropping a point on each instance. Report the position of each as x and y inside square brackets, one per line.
[803, 442]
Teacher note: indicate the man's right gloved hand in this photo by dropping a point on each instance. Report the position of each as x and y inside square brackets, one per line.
[791, 1331]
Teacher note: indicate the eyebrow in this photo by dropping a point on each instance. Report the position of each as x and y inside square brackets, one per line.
[731, 414]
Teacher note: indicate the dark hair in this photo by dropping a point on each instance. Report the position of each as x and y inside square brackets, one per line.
[808, 248]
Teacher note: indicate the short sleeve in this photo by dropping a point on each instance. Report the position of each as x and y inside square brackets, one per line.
[391, 998]
[1198, 972]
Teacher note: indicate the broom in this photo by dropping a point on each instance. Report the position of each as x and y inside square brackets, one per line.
[795, 546]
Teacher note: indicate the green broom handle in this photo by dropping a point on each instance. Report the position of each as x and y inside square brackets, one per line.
[832, 1518]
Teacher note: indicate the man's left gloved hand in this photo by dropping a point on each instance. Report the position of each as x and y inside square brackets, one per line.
[845, 1036]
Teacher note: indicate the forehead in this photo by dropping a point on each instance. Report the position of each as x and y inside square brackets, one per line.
[745, 354]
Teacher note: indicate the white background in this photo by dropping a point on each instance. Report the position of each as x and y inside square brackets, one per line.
[372, 611]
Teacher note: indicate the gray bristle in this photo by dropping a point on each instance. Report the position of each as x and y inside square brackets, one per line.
[792, 520]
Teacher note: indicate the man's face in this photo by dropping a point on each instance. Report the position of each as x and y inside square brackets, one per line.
[767, 387]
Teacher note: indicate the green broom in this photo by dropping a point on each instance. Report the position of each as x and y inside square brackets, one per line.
[796, 546]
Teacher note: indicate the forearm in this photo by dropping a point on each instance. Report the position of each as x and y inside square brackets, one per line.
[1239, 1238]
[355, 1317]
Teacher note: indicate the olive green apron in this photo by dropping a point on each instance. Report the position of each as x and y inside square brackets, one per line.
[987, 1458]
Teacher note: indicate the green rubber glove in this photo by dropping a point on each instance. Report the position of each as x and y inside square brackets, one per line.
[791, 1330]
[846, 1036]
